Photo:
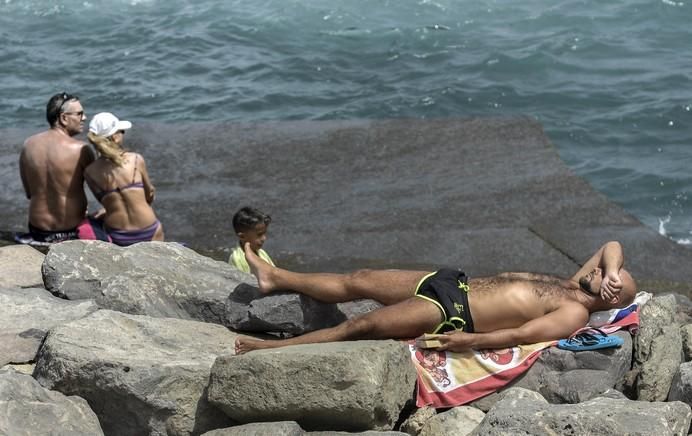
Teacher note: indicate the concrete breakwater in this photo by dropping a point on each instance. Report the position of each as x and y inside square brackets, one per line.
[141, 342]
[487, 195]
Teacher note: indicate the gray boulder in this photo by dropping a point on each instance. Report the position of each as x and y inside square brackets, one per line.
[657, 373]
[168, 280]
[349, 386]
[658, 313]
[154, 278]
[289, 312]
[20, 267]
[415, 422]
[141, 375]
[563, 376]
[686, 333]
[458, 421]
[363, 433]
[524, 412]
[28, 409]
[681, 387]
[657, 350]
[281, 428]
[26, 317]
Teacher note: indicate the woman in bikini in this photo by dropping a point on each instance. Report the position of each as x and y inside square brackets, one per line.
[119, 180]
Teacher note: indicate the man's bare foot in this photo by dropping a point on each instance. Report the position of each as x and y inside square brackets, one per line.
[260, 269]
[243, 344]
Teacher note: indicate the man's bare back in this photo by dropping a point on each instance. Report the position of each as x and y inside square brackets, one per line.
[51, 168]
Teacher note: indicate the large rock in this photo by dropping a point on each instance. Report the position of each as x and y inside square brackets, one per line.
[526, 412]
[658, 313]
[657, 373]
[26, 317]
[686, 333]
[417, 419]
[563, 376]
[289, 312]
[154, 278]
[657, 351]
[458, 421]
[282, 428]
[27, 409]
[141, 375]
[168, 280]
[681, 387]
[20, 267]
[350, 386]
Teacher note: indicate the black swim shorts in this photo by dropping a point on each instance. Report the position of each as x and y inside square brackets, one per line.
[51, 236]
[448, 290]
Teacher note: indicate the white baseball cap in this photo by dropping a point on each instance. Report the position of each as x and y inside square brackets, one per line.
[106, 124]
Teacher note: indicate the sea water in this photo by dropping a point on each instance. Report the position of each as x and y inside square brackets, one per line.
[611, 82]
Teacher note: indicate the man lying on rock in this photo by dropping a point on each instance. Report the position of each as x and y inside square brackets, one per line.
[488, 312]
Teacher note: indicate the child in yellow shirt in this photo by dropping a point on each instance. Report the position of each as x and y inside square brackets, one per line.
[251, 226]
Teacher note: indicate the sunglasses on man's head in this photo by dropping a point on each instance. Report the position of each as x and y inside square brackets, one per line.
[65, 98]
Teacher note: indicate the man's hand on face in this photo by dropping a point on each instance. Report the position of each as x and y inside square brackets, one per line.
[610, 286]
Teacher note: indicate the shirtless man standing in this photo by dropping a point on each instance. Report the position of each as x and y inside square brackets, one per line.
[51, 166]
[490, 312]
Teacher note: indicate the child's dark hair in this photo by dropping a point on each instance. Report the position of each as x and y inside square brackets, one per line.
[248, 217]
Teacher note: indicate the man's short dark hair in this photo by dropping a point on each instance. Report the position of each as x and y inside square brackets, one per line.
[56, 105]
[248, 217]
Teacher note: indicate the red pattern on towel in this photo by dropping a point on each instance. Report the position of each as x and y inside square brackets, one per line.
[447, 379]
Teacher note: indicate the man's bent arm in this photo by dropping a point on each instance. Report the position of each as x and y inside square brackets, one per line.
[609, 258]
[550, 327]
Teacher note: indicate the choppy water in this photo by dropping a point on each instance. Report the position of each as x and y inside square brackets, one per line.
[611, 82]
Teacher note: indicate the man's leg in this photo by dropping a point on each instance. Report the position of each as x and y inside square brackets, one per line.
[386, 286]
[407, 319]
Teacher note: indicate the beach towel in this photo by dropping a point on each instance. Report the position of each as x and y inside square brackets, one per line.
[448, 379]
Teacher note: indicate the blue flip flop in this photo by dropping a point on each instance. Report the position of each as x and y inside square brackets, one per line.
[586, 341]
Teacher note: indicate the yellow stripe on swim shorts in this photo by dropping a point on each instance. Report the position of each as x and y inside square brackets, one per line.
[435, 302]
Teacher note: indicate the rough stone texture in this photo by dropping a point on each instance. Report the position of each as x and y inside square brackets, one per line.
[524, 412]
[154, 278]
[168, 280]
[681, 387]
[658, 313]
[683, 309]
[28, 409]
[20, 267]
[26, 317]
[349, 386]
[657, 373]
[141, 375]
[348, 433]
[288, 428]
[686, 334]
[280, 428]
[458, 421]
[289, 312]
[563, 376]
[27, 369]
[414, 423]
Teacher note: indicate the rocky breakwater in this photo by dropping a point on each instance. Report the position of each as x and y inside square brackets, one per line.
[140, 341]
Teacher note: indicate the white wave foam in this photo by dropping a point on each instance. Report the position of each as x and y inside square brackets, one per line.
[662, 225]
